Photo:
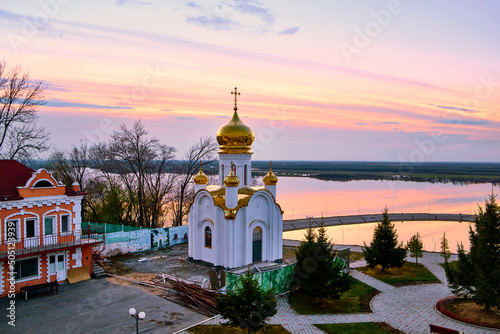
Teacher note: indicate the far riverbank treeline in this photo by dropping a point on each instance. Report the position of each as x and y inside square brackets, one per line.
[343, 171]
[433, 172]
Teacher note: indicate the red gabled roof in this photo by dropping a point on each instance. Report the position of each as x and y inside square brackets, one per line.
[13, 174]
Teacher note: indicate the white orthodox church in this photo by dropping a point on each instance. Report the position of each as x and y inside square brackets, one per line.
[233, 224]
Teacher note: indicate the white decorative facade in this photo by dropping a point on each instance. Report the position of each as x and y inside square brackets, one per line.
[233, 224]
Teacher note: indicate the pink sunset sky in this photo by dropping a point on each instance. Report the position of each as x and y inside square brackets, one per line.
[319, 80]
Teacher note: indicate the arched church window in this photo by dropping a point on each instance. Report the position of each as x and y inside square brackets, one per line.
[257, 245]
[208, 237]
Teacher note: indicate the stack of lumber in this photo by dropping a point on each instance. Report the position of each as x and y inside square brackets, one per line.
[186, 293]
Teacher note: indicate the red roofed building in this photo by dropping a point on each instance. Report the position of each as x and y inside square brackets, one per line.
[40, 228]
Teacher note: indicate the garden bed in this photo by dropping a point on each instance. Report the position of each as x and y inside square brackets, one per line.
[220, 329]
[408, 274]
[465, 310]
[356, 300]
[359, 327]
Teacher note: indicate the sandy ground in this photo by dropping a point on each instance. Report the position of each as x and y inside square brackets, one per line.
[142, 266]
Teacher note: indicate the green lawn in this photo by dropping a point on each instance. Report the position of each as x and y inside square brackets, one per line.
[356, 300]
[355, 328]
[219, 329]
[410, 273]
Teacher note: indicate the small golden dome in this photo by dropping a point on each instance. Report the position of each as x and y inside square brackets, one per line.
[200, 178]
[270, 179]
[231, 180]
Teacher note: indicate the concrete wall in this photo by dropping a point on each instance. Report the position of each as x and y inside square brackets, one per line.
[140, 240]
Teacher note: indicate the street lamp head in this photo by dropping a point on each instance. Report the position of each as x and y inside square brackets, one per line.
[142, 315]
[132, 311]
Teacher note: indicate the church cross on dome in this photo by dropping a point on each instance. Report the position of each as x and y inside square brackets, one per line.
[235, 93]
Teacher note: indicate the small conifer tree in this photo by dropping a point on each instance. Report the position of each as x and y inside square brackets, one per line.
[445, 249]
[249, 306]
[384, 249]
[317, 272]
[416, 247]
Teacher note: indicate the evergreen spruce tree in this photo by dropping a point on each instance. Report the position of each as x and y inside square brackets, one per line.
[317, 272]
[249, 306]
[384, 249]
[416, 247]
[484, 255]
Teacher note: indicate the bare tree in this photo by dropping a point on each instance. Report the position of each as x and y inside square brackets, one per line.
[204, 151]
[142, 162]
[109, 201]
[20, 137]
[72, 166]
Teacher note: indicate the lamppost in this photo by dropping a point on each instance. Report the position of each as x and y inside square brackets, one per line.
[141, 315]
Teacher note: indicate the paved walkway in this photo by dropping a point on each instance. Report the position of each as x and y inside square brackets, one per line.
[408, 308]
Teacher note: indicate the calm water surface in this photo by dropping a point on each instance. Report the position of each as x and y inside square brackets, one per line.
[299, 197]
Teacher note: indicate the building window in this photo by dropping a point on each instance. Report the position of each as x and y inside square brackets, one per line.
[30, 228]
[64, 223]
[52, 264]
[43, 184]
[26, 268]
[12, 229]
[245, 177]
[208, 237]
[48, 224]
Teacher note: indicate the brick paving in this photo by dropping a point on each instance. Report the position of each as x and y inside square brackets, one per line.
[408, 308]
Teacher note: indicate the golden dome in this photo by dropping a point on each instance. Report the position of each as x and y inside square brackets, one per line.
[200, 178]
[231, 180]
[235, 137]
[270, 179]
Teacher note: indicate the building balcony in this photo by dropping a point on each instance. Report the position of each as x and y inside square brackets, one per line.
[47, 243]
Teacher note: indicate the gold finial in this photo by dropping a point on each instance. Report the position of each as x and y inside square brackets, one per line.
[270, 179]
[200, 178]
[232, 180]
[236, 93]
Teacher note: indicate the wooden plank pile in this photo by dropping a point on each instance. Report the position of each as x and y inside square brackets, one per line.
[186, 293]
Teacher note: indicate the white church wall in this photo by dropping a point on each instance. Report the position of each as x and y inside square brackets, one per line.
[239, 243]
[205, 253]
[265, 240]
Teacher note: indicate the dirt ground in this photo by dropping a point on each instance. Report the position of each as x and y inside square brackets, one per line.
[142, 266]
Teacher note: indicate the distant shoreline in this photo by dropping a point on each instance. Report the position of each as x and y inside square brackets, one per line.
[344, 171]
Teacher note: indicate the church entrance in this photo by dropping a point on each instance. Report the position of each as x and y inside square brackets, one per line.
[257, 245]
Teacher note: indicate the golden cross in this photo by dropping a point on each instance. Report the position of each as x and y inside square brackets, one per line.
[236, 93]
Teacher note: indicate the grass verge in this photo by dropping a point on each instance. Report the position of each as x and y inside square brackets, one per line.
[359, 327]
[219, 329]
[409, 274]
[356, 300]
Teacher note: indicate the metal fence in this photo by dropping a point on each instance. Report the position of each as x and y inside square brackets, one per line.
[111, 228]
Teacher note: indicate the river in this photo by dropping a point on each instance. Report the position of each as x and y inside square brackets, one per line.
[300, 197]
